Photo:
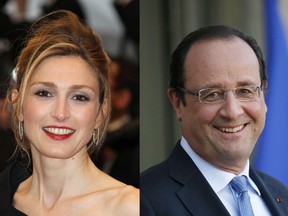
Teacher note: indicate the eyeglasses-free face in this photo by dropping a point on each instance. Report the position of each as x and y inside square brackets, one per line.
[218, 95]
[61, 106]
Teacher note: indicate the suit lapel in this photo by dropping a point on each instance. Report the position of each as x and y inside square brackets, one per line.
[196, 194]
[268, 192]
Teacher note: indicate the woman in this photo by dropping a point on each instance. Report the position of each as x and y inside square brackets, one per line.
[61, 109]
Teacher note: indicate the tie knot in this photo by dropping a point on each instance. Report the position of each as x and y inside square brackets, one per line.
[239, 184]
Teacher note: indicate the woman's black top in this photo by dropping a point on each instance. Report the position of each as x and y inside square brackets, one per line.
[10, 179]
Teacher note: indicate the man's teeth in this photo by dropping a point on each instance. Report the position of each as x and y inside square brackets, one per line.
[232, 130]
[59, 131]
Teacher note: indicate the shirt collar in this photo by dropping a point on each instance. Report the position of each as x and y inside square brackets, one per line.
[217, 178]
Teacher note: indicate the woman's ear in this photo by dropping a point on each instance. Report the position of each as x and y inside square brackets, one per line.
[14, 97]
[103, 114]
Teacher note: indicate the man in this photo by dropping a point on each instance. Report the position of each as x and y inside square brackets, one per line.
[217, 88]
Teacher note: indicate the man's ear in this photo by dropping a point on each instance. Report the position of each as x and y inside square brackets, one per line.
[176, 103]
[14, 97]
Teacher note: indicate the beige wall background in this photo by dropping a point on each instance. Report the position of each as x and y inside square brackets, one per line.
[163, 23]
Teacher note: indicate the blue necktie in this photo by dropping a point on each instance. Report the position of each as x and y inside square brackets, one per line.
[239, 185]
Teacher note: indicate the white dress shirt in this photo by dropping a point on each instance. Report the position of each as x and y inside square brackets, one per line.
[219, 181]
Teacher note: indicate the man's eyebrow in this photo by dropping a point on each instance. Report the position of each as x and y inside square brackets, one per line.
[246, 82]
[240, 83]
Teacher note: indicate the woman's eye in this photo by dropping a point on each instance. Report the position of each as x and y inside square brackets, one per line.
[43, 93]
[80, 98]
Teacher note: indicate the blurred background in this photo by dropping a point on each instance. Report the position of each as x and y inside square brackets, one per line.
[117, 23]
[163, 23]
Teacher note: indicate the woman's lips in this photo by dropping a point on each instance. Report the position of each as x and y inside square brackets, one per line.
[58, 133]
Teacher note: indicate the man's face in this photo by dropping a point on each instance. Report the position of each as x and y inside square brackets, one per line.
[223, 134]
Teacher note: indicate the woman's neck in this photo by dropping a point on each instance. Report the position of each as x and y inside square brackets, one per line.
[54, 180]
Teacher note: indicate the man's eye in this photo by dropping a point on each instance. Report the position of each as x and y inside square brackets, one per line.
[43, 93]
[80, 98]
[245, 92]
[212, 94]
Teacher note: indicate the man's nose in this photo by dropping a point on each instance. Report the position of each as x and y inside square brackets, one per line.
[231, 107]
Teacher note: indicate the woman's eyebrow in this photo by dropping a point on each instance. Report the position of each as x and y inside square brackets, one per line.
[77, 87]
[48, 84]
[73, 87]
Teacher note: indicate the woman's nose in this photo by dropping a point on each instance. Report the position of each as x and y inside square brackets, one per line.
[61, 109]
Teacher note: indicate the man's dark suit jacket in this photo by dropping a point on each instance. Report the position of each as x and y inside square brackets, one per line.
[176, 187]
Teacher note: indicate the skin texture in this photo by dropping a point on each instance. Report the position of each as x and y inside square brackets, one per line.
[63, 92]
[226, 64]
[64, 98]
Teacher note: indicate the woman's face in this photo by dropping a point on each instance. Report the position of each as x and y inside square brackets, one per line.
[61, 107]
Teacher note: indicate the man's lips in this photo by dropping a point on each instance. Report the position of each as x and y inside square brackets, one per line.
[58, 133]
[231, 129]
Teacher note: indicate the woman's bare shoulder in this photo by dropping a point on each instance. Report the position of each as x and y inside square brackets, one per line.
[129, 200]
[121, 198]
